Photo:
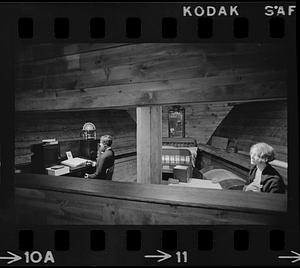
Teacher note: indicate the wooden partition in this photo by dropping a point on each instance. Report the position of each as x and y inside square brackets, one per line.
[42, 199]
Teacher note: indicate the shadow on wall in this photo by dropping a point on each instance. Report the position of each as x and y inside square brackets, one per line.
[254, 122]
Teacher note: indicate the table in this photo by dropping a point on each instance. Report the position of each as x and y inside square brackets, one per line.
[198, 183]
[80, 171]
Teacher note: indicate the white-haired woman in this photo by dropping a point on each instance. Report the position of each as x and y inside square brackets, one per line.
[262, 176]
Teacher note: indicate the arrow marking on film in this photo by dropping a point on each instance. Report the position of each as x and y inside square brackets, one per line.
[296, 257]
[12, 258]
[162, 257]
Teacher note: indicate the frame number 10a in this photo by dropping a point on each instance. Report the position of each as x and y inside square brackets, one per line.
[29, 257]
[38, 257]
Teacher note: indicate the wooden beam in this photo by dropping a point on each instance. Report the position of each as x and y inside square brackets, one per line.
[149, 142]
[117, 54]
[254, 86]
[53, 52]
[71, 74]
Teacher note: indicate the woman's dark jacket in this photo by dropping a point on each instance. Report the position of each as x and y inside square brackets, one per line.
[271, 180]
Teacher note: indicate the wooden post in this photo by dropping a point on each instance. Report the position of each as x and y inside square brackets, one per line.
[149, 144]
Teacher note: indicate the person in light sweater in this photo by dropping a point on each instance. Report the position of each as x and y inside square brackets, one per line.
[105, 160]
[262, 176]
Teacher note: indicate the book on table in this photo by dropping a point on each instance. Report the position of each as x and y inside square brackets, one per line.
[75, 162]
[49, 141]
[58, 170]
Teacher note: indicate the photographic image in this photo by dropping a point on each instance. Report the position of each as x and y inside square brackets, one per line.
[160, 133]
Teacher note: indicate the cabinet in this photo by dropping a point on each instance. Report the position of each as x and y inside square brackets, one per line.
[88, 149]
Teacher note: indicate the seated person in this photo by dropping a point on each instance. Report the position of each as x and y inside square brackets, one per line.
[262, 176]
[105, 160]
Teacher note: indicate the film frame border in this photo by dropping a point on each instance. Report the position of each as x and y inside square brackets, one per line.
[220, 35]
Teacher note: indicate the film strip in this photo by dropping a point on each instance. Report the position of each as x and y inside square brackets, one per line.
[229, 66]
[61, 28]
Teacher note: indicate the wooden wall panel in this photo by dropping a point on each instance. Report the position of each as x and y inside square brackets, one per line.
[66, 127]
[257, 122]
[105, 75]
[36, 58]
[125, 169]
[29, 53]
[73, 75]
[201, 120]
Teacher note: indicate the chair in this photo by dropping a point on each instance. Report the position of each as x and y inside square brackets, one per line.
[204, 170]
[109, 172]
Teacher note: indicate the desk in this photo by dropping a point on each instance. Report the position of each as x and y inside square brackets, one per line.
[198, 183]
[80, 171]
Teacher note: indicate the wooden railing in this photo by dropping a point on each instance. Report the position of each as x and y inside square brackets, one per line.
[43, 199]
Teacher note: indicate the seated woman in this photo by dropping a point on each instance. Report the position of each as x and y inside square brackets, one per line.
[263, 177]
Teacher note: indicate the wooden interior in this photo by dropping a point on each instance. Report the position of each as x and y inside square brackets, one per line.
[233, 91]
